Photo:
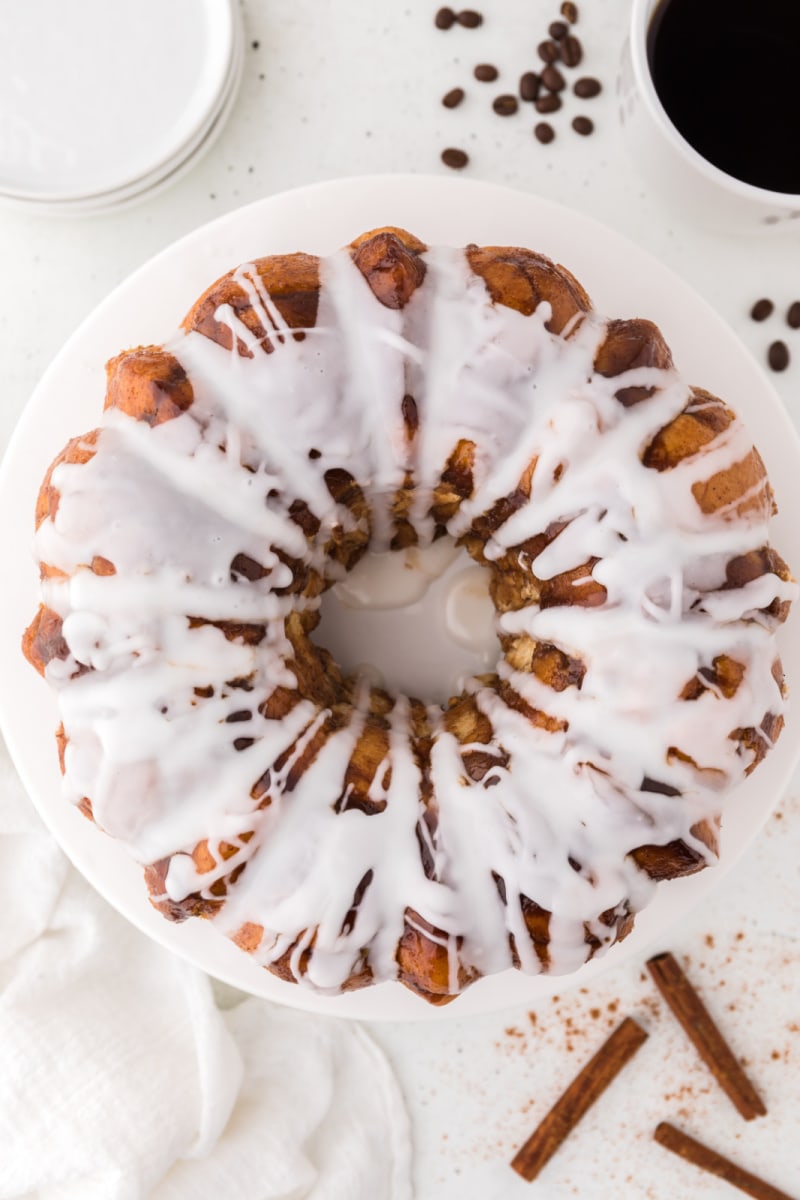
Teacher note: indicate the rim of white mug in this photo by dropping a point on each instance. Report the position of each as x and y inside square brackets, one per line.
[641, 13]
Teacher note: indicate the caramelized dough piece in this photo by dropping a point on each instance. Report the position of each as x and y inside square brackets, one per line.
[292, 283]
[537, 923]
[759, 741]
[555, 668]
[404, 532]
[618, 920]
[577, 587]
[742, 488]
[251, 633]
[537, 718]
[737, 490]
[701, 422]
[43, 640]
[456, 483]
[195, 905]
[249, 936]
[745, 568]
[504, 508]
[521, 279]
[676, 858]
[347, 548]
[627, 345]
[423, 960]
[371, 750]
[61, 743]
[671, 861]
[466, 722]
[148, 384]
[389, 259]
[724, 673]
[318, 676]
[77, 451]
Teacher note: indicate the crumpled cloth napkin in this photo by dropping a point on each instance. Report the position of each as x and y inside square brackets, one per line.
[120, 1079]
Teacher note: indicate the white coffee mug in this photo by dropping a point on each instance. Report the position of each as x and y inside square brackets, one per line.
[674, 168]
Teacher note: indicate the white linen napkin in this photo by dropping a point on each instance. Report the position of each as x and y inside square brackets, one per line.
[120, 1079]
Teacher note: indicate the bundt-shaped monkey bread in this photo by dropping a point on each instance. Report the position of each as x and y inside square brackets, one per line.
[310, 410]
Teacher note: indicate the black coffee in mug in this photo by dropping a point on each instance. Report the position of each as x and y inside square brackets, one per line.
[728, 75]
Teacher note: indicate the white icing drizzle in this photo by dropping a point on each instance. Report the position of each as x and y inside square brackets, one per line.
[559, 810]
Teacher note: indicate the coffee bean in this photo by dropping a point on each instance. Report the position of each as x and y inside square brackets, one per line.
[544, 133]
[793, 315]
[778, 356]
[583, 126]
[469, 18]
[548, 51]
[569, 11]
[762, 309]
[455, 159]
[587, 87]
[552, 79]
[529, 85]
[571, 51]
[453, 98]
[557, 30]
[548, 104]
[444, 19]
[505, 106]
[486, 73]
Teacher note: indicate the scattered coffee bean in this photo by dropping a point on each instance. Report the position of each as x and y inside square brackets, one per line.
[571, 51]
[569, 12]
[469, 18]
[552, 79]
[455, 159]
[557, 30]
[505, 106]
[486, 73]
[778, 356]
[453, 98]
[445, 18]
[762, 309]
[548, 51]
[548, 104]
[529, 85]
[583, 126]
[587, 87]
[544, 133]
[793, 315]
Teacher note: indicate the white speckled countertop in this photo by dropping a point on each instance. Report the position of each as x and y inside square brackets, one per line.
[351, 87]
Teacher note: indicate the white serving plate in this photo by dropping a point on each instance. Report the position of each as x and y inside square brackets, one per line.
[623, 281]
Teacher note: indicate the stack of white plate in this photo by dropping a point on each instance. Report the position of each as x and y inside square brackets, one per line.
[102, 103]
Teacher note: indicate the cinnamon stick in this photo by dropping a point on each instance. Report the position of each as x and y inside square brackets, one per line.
[708, 1160]
[581, 1094]
[705, 1036]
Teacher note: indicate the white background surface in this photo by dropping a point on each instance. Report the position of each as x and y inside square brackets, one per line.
[353, 86]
